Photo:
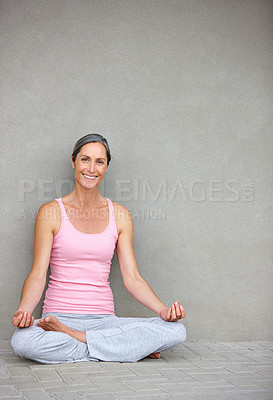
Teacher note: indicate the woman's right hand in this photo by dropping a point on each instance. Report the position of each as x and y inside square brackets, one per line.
[22, 319]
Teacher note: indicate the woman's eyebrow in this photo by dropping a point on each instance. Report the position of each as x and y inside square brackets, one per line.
[98, 158]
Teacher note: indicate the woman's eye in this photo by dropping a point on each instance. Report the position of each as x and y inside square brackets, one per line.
[100, 162]
[84, 159]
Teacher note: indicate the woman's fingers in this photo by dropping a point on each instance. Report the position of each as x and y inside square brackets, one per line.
[23, 321]
[173, 313]
[178, 311]
[18, 315]
[27, 320]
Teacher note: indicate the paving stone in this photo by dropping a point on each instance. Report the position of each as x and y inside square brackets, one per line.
[75, 379]
[221, 389]
[208, 364]
[232, 345]
[3, 373]
[107, 396]
[13, 359]
[175, 374]
[87, 392]
[46, 375]
[194, 396]
[233, 357]
[11, 398]
[39, 385]
[205, 354]
[88, 366]
[246, 395]
[187, 357]
[144, 396]
[168, 355]
[263, 356]
[178, 363]
[220, 374]
[114, 370]
[67, 396]
[140, 370]
[110, 384]
[142, 385]
[150, 378]
[20, 371]
[265, 371]
[206, 377]
[252, 346]
[266, 344]
[239, 368]
[188, 367]
[35, 394]
[17, 381]
[51, 366]
[77, 389]
[261, 353]
[117, 366]
[268, 384]
[149, 361]
[8, 391]
[240, 381]
[213, 345]
[172, 354]
[177, 388]
[68, 370]
[108, 374]
[219, 383]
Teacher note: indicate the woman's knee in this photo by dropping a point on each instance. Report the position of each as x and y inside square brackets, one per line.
[179, 333]
[26, 342]
[20, 341]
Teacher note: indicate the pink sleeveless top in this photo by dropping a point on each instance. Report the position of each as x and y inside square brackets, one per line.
[80, 264]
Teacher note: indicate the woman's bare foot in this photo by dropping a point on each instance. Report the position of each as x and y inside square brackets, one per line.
[51, 323]
[154, 355]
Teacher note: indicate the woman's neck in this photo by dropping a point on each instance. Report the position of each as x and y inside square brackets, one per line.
[85, 199]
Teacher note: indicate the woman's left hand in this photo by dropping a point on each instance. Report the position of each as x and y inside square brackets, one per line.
[173, 313]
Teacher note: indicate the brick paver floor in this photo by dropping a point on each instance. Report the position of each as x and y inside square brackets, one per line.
[195, 371]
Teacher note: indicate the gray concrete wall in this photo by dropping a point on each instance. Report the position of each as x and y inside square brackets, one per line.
[182, 90]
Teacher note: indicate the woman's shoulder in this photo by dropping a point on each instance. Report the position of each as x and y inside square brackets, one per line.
[120, 210]
[49, 206]
[123, 218]
[50, 213]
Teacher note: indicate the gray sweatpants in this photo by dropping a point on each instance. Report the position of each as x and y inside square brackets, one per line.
[109, 338]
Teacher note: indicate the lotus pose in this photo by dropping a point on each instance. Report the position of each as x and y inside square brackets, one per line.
[77, 235]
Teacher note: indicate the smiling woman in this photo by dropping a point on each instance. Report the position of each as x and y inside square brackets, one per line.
[78, 321]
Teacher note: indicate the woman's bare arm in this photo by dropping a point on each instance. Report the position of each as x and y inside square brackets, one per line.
[34, 284]
[133, 281]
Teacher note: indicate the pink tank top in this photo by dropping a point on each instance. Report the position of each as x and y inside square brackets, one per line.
[80, 264]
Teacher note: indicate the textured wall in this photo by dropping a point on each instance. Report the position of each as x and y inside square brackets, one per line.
[182, 90]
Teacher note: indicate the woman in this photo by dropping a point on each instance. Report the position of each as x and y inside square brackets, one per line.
[77, 235]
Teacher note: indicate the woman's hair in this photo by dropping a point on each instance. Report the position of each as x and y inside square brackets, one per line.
[91, 138]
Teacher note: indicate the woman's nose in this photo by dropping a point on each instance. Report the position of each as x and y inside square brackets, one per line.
[92, 167]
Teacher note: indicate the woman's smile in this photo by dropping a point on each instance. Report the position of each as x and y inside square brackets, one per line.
[90, 177]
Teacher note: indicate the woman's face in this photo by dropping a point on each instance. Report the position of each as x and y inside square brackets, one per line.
[90, 164]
